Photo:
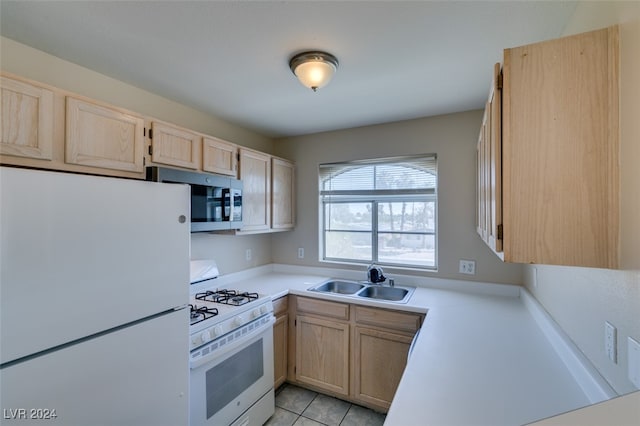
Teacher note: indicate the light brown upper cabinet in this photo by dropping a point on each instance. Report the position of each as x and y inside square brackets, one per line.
[255, 173]
[560, 153]
[27, 120]
[219, 156]
[282, 196]
[268, 203]
[175, 146]
[104, 137]
[489, 215]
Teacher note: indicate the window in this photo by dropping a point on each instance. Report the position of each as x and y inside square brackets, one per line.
[381, 211]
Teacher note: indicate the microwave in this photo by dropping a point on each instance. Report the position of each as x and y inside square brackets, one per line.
[216, 201]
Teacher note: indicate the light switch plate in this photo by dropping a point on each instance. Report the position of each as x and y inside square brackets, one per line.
[633, 358]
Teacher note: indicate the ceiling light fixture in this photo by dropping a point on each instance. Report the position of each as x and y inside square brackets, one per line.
[314, 69]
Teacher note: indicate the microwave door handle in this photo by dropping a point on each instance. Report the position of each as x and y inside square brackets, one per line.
[227, 204]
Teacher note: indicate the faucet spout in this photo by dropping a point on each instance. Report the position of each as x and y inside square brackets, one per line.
[375, 274]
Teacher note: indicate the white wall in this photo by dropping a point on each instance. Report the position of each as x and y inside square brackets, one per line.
[582, 299]
[452, 137]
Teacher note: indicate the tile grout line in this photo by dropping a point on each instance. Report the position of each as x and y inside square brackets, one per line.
[315, 397]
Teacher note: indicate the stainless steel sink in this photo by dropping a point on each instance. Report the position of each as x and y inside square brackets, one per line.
[339, 286]
[395, 294]
[365, 290]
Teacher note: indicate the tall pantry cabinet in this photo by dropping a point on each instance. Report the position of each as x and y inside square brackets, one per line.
[556, 198]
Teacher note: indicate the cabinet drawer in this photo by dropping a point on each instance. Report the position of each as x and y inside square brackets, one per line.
[323, 307]
[396, 320]
[280, 305]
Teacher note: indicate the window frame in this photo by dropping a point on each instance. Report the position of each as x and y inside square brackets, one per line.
[375, 198]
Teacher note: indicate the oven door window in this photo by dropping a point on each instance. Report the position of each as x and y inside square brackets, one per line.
[227, 380]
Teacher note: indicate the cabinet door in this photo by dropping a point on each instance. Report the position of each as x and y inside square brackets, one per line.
[255, 172]
[219, 156]
[280, 340]
[105, 137]
[175, 146]
[561, 151]
[489, 192]
[494, 162]
[27, 120]
[481, 190]
[322, 354]
[282, 198]
[379, 361]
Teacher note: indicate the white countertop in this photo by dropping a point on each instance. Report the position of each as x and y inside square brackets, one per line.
[480, 359]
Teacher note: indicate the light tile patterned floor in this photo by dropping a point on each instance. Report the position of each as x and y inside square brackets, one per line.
[296, 406]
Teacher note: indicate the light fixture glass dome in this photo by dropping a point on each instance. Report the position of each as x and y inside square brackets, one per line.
[314, 69]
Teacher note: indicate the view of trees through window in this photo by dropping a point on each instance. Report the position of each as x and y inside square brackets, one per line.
[383, 213]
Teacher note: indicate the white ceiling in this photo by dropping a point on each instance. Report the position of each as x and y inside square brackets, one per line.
[398, 60]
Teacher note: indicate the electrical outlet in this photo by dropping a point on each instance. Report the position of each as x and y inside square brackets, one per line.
[610, 340]
[633, 358]
[300, 253]
[467, 267]
[247, 255]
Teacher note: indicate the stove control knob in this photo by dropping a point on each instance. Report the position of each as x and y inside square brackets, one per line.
[237, 321]
[255, 313]
[263, 309]
[217, 331]
[205, 336]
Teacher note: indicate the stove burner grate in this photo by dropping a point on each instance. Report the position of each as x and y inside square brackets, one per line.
[227, 297]
[201, 313]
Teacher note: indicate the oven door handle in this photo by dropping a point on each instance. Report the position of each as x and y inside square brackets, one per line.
[229, 347]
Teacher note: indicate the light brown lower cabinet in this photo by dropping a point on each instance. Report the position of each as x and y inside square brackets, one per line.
[354, 352]
[322, 354]
[280, 340]
[380, 358]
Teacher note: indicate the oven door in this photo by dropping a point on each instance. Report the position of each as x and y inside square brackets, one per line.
[233, 378]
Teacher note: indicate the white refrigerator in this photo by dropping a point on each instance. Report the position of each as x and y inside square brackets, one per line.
[94, 288]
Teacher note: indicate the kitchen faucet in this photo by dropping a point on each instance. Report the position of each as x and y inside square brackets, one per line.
[375, 274]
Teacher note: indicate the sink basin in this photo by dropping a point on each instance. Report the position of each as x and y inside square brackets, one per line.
[395, 294]
[338, 286]
[365, 290]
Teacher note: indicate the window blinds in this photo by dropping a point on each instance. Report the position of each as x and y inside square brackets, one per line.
[394, 176]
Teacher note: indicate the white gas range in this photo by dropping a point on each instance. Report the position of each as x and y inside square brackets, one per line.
[231, 353]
